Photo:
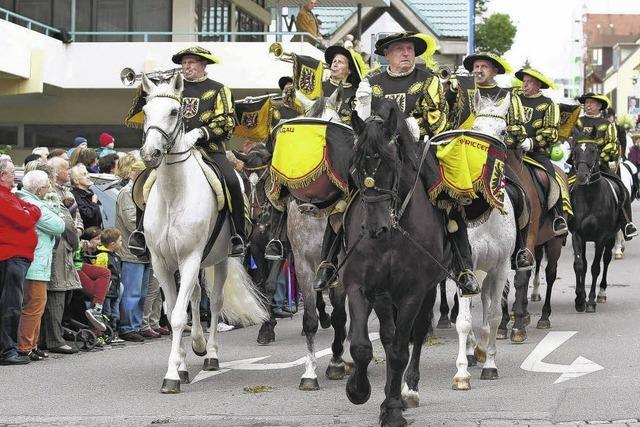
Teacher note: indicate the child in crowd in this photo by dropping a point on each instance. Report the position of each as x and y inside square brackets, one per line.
[94, 279]
[107, 257]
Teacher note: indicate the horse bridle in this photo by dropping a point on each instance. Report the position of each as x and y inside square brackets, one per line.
[369, 181]
[593, 169]
[172, 137]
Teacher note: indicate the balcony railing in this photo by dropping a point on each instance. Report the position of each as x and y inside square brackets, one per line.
[28, 22]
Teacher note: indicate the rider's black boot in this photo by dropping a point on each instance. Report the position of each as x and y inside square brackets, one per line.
[560, 227]
[630, 231]
[237, 246]
[463, 262]
[326, 271]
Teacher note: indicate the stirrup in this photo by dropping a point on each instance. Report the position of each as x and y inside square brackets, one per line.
[237, 246]
[525, 267]
[630, 231]
[560, 226]
[277, 252]
[325, 276]
[466, 291]
[137, 243]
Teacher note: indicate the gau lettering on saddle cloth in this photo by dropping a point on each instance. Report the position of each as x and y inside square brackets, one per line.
[310, 155]
[470, 167]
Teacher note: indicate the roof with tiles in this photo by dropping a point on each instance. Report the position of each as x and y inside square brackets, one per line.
[447, 18]
[332, 17]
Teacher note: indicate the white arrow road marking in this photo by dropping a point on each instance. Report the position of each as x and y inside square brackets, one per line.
[251, 365]
[581, 366]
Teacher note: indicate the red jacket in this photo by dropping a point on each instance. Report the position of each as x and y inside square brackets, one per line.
[18, 219]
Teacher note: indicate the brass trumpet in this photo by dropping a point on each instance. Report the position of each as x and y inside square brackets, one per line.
[128, 77]
[276, 50]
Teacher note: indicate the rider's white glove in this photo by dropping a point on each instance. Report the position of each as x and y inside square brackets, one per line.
[526, 145]
[193, 136]
[363, 100]
[412, 124]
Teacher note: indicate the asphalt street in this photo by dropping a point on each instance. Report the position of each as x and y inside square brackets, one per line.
[121, 385]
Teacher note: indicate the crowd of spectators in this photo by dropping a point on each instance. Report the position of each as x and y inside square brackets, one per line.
[53, 246]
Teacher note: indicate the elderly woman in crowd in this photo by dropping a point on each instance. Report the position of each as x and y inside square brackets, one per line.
[36, 190]
[88, 204]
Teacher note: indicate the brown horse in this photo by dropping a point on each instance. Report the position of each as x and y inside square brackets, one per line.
[540, 234]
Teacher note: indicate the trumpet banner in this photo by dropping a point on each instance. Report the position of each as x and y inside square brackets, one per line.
[254, 119]
[470, 168]
[307, 76]
[568, 117]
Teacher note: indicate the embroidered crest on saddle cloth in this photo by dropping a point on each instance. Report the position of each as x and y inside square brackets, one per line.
[400, 99]
[190, 107]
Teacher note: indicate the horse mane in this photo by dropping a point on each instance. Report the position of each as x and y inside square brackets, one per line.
[372, 141]
[164, 89]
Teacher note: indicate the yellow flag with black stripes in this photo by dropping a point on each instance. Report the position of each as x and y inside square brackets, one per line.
[568, 117]
[254, 119]
[307, 76]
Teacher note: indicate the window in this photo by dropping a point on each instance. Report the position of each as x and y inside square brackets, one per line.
[596, 56]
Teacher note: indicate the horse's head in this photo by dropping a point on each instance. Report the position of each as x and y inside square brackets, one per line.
[163, 123]
[586, 161]
[383, 144]
[491, 115]
[256, 168]
[323, 107]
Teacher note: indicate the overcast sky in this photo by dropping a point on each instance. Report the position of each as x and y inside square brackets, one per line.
[545, 29]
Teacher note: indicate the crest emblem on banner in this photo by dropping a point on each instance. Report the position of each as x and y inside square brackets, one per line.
[249, 119]
[190, 107]
[306, 80]
[399, 98]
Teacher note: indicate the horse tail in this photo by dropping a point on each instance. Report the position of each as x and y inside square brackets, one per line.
[243, 304]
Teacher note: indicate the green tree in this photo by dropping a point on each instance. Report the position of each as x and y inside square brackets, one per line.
[5, 149]
[480, 8]
[495, 34]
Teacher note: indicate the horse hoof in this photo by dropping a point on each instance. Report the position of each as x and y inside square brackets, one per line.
[210, 364]
[309, 384]
[489, 374]
[481, 355]
[544, 324]
[581, 307]
[266, 338]
[325, 321]
[619, 255]
[518, 336]
[358, 397]
[411, 400]
[444, 323]
[170, 386]
[336, 372]
[348, 367]
[501, 334]
[461, 384]
[471, 360]
[601, 299]
[527, 320]
[535, 297]
[184, 377]
[591, 308]
[200, 353]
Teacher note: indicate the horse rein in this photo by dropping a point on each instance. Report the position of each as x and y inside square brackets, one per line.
[171, 138]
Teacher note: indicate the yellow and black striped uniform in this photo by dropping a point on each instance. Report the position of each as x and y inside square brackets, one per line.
[418, 93]
[347, 102]
[599, 132]
[541, 120]
[208, 105]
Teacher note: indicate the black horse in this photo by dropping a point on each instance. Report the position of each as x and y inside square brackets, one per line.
[595, 210]
[396, 251]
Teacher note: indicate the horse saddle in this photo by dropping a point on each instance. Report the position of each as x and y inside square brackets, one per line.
[548, 189]
[144, 182]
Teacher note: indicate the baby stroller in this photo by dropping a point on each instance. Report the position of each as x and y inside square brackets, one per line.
[76, 329]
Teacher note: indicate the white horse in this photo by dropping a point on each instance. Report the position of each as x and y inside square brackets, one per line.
[627, 169]
[181, 213]
[492, 244]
